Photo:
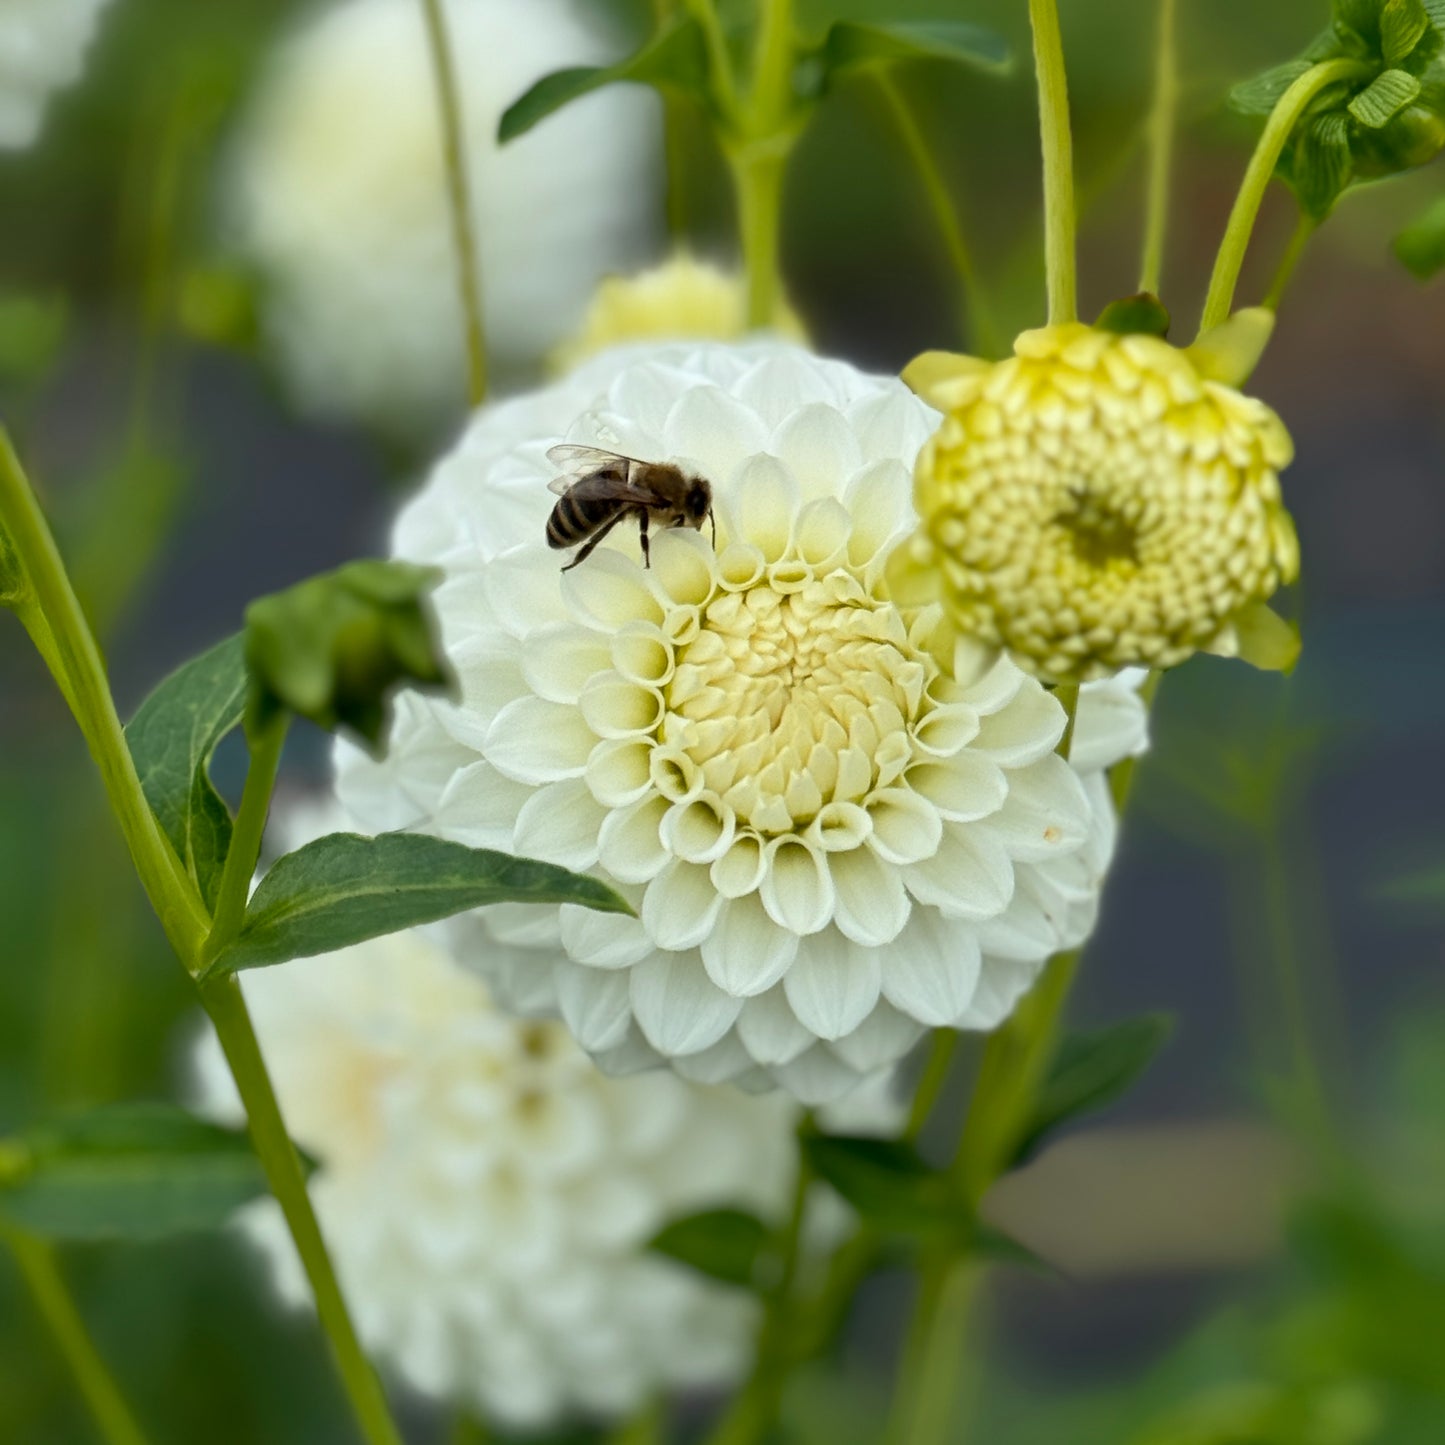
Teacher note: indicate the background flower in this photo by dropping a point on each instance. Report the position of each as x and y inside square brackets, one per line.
[487, 1194]
[837, 832]
[338, 198]
[42, 46]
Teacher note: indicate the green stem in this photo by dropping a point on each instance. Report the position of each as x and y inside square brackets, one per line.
[226, 1005]
[245, 849]
[38, 1265]
[1060, 223]
[76, 664]
[758, 171]
[1067, 695]
[674, 141]
[1277, 132]
[933, 1354]
[941, 1048]
[772, 93]
[459, 200]
[1299, 241]
[1161, 149]
[976, 318]
[720, 67]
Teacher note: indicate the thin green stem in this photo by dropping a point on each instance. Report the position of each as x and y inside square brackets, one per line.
[459, 201]
[674, 146]
[758, 171]
[933, 1354]
[772, 93]
[942, 1046]
[76, 663]
[245, 849]
[107, 1405]
[720, 66]
[976, 320]
[1162, 125]
[1060, 222]
[1277, 132]
[226, 1006]
[1299, 241]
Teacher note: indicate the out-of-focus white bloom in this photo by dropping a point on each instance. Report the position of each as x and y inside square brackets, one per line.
[488, 1195]
[339, 199]
[835, 831]
[42, 47]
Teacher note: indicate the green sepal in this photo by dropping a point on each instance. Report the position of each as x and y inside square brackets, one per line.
[1261, 93]
[133, 1172]
[1403, 25]
[172, 739]
[333, 649]
[1322, 163]
[1091, 1070]
[850, 47]
[723, 1244]
[675, 59]
[345, 889]
[1265, 639]
[1384, 98]
[1230, 352]
[1141, 315]
[1421, 247]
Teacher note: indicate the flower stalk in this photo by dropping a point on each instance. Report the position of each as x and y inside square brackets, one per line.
[1060, 218]
[1162, 124]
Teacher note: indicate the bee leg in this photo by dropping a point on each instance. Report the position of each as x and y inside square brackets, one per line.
[712, 521]
[642, 533]
[591, 544]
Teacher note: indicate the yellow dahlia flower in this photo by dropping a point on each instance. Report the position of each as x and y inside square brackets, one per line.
[683, 299]
[1100, 501]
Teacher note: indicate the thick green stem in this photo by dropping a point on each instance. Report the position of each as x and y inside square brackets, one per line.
[933, 1354]
[459, 200]
[226, 1006]
[976, 320]
[1161, 149]
[78, 669]
[773, 63]
[1277, 132]
[758, 171]
[1060, 223]
[941, 1049]
[1299, 241]
[47, 1287]
[245, 849]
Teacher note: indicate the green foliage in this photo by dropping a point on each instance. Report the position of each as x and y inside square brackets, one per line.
[851, 47]
[172, 739]
[724, 1244]
[333, 648]
[345, 889]
[33, 329]
[1426, 885]
[128, 1172]
[13, 585]
[1421, 247]
[886, 1181]
[1141, 315]
[1091, 1070]
[1388, 119]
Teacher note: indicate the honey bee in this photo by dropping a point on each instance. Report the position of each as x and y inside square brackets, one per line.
[598, 489]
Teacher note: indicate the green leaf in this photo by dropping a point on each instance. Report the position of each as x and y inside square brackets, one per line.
[128, 1172]
[332, 649]
[1403, 24]
[1266, 640]
[723, 1244]
[1141, 315]
[851, 46]
[32, 331]
[172, 739]
[1261, 93]
[987, 1242]
[1322, 163]
[1091, 1070]
[1384, 98]
[1425, 886]
[886, 1181]
[1435, 9]
[675, 59]
[344, 889]
[14, 586]
[1421, 247]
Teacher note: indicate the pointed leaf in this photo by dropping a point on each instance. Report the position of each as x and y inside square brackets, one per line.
[673, 60]
[1266, 640]
[1322, 163]
[990, 1243]
[1091, 1070]
[1384, 98]
[344, 889]
[128, 1172]
[14, 586]
[851, 46]
[1403, 24]
[886, 1181]
[1261, 93]
[723, 1244]
[1421, 247]
[172, 739]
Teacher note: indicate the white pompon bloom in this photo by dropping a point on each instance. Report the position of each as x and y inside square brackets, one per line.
[835, 833]
[488, 1195]
[338, 198]
[42, 47]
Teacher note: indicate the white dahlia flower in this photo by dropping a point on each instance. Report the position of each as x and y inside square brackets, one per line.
[834, 831]
[488, 1195]
[339, 200]
[42, 47]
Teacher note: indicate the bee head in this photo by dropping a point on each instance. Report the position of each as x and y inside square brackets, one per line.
[698, 502]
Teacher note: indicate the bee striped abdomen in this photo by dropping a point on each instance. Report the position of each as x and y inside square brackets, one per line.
[577, 515]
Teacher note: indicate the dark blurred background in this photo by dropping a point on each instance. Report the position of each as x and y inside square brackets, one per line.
[1213, 1245]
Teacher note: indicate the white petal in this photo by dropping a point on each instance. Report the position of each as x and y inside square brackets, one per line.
[740, 870]
[963, 788]
[619, 771]
[1113, 723]
[677, 1007]
[720, 1064]
[762, 503]
[796, 889]
[747, 953]
[522, 589]
[873, 904]
[1046, 814]
[878, 500]
[701, 831]
[833, 985]
[770, 1030]
[820, 448]
[641, 652]
[595, 1005]
[680, 906]
[893, 426]
[535, 741]
[783, 383]
[557, 660]
[970, 876]
[616, 708]
[818, 1077]
[932, 972]
[906, 827]
[883, 1038]
[630, 843]
[609, 590]
[559, 824]
[1028, 729]
[1001, 984]
[603, 940]
[822, 530]
[713, 429]
[682, 567]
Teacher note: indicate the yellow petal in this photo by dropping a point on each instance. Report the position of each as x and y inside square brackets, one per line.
[943, 378]
[1265, 639]
[1231, 351]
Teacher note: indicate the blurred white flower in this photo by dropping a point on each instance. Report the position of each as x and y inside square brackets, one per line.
[42, 47]
[339, 199]
[835, 832]
[487, 1194]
